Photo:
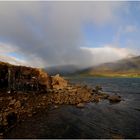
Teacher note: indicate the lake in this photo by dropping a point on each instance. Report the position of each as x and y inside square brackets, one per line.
[95, 120]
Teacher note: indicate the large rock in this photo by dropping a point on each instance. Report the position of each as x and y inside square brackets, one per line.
[58, 82]
[28, 79]
[44, 79]
[114, 98]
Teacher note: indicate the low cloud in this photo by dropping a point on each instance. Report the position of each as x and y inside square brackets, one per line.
[106, 54]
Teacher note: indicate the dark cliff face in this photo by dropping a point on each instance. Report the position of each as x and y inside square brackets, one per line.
[21, 78]
[26, 79]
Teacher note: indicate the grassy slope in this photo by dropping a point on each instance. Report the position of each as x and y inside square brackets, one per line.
[123, 68]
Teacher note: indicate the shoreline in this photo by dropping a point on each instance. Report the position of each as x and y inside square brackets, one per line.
[19, 106]
[25, 90]
[100, 76]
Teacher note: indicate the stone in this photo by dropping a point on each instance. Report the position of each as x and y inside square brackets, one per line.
[97, 89]
[1, 134]
[11, 118]
[117, 136]
[9, 98]
[80, 105]
[44, 97]
[96, 99]
[44, 79]
[58, 82]
[30, 115]
[103, 95]
[12, 102]
[56, 106]
[114, 98]
[17, 104]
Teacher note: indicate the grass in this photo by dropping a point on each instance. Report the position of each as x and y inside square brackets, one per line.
[113, 75]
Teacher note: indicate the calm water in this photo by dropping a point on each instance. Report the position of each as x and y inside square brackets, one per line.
[101, 120]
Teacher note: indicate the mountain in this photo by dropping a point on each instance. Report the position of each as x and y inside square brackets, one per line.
[129, 67]
[62, 70]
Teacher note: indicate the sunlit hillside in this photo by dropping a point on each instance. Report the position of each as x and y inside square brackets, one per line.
[122, 68]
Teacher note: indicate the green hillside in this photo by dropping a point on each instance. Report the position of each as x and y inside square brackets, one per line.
[122, 68]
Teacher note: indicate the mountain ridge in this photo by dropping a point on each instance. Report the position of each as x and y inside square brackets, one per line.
[62, 69]
[129, 67]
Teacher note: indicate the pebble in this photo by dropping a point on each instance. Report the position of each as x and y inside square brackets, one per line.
[56, 106]
[17, 104]
[80, 105]
[12, 102]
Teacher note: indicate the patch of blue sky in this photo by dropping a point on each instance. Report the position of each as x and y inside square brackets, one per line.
[16, 55]
[97, 36]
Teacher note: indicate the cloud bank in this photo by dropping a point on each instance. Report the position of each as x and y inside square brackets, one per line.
[106, 54]
[50, 33]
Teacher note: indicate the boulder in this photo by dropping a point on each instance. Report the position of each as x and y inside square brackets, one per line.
[114, 98]
[44, 79]
[58, 82]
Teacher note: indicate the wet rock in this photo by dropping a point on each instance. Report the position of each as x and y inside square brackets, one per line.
[1, 99]
[11, 118]
[117, 136]
[114, 98]
[1, 134]
[30, 115]
[17, 104]
[97, 89]
[80, 105]
[9, 98]
[1, 127]
[12, 102]
[44, 97]
[56, 106]
[103, 95]
[96, 99]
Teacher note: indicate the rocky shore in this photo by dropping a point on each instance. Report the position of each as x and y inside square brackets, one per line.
[40, 91]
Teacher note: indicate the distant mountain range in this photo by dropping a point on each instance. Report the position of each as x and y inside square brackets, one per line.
[62, 70]
[129, 67]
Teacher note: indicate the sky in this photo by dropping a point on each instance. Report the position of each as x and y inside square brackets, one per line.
[81, 33]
